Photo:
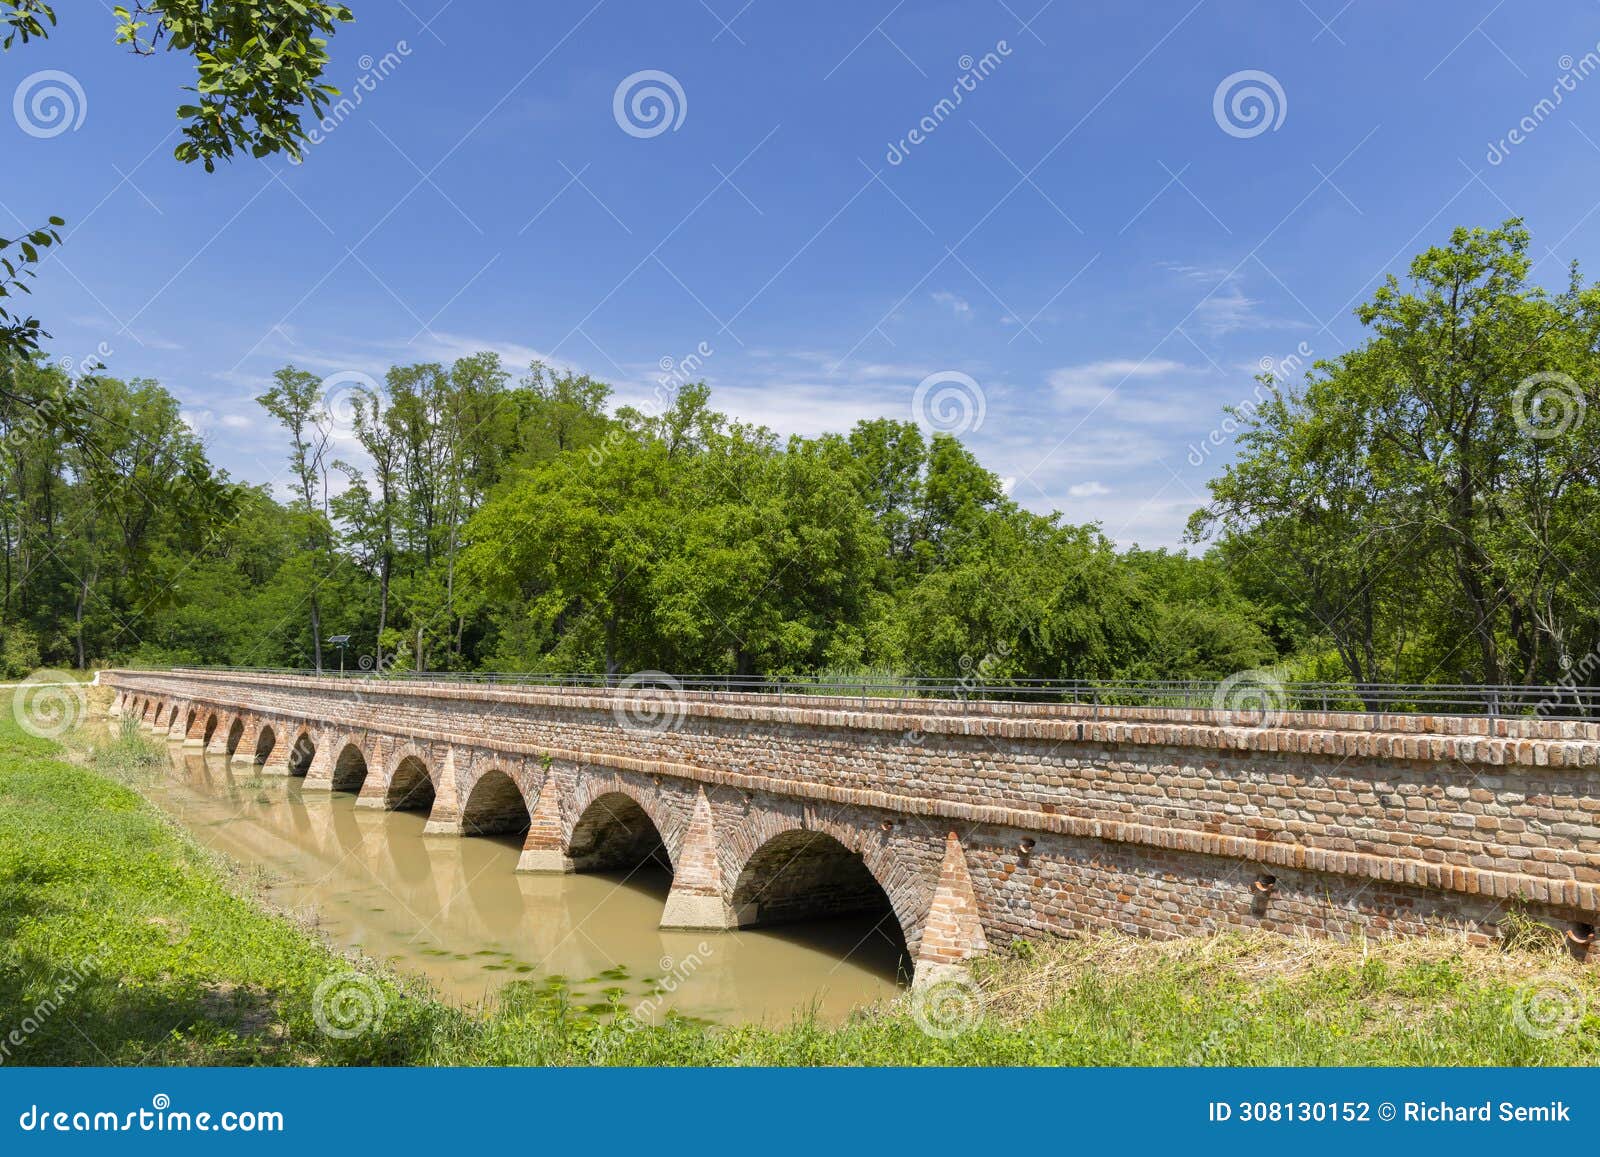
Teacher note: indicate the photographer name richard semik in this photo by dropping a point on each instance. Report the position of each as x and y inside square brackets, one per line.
[1554, 1111]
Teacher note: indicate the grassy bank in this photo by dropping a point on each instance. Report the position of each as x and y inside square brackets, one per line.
[123, 942]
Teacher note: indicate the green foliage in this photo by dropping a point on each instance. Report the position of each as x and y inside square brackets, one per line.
[1414, 511]
[1425, 504]
[521, 526]
[19, 335]
[19, 651]
[25, 20]
[256, 63]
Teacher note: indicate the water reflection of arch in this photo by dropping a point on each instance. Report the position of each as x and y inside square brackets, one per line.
[356, 833]
[410, 857]
[195, 768]
[479, 895]
[312, 819]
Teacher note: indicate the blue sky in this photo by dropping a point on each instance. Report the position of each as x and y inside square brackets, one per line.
[1103, 250]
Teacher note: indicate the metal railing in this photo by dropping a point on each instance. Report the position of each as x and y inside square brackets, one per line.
[1252, 693]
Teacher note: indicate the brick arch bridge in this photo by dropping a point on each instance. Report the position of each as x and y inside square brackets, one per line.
[974, 822]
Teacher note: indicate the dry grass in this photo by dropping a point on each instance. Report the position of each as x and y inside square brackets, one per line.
[1023, 984]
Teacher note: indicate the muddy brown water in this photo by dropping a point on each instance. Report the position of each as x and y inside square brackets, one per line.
[454, 909]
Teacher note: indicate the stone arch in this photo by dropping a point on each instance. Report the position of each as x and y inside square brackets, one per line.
[409, 786]
[617, 831]
[495, 805]
[235, 734]
[802, 868]
[349, 767]
[266, 740]
[160, 707]
[210, 728]
[301, 752]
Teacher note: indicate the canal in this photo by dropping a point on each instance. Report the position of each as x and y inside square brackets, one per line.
[454, 909]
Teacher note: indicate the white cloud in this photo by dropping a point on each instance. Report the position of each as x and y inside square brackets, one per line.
[1093, 384]
[447, 347]
[1226, 307]
[1088, 490]
[955, 303]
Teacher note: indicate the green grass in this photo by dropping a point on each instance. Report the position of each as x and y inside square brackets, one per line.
[155, 952]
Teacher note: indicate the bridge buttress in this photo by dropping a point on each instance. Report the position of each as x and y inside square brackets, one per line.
[277, 760]
[444, 818]
[219, 737]
[696, 899]
[194, 731]
[953, 931]
[319, 775]
[375, 788]
[246, 751]
[543, 850]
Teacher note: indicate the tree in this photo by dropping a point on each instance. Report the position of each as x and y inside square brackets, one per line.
[295, 399]
[1432, 492]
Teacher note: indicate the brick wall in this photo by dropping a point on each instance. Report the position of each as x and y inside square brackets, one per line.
[1155, 821]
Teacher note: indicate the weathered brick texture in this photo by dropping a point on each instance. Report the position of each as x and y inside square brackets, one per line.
[1156, 821]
